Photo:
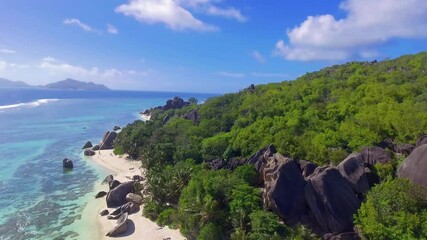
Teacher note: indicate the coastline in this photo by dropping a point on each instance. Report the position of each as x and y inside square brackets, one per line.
[139, 227]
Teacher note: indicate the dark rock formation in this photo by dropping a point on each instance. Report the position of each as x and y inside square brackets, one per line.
[100, 194]
[137, 178]
[108, 179]
[107, 141]
[113, 184]
[175, 103]
[95, 148]
[121, 227]
[216, 164]
[284, 188]
[374, 155]
[251, 88]
[116, 128]
[260, 157]
[234, 162]
[404, 149]
[117, 196]
[129, 208]
[341, 236]
[415, 166]
[193, 116]
[88, 144]
[89, 152]
[135, 198]
[166, 119]
[353, 169]
[331, 201]
[104, 212]
[307, 168]
[67, 163]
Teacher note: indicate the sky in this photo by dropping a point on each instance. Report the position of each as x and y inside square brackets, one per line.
[211, 46]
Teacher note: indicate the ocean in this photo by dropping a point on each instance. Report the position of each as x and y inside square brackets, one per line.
[38, 129]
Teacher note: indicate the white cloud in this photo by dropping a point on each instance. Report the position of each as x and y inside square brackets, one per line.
[11, 67]
[112, 29]
[258, 56]
[269, 75]
[231, 74]
[8, 51]
[367, 25]
[78, 23]
[176, 14]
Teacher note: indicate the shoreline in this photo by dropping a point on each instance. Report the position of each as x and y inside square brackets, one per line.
[139, 227]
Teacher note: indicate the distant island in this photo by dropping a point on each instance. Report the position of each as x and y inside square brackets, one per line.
[67, 84]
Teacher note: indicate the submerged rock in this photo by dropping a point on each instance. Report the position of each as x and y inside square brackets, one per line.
[67, 163]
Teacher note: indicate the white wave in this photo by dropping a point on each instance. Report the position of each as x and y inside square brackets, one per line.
[29, 104]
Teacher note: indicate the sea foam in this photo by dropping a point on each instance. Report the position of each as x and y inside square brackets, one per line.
[29, 104]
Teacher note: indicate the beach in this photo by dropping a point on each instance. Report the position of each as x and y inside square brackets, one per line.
[139, 227]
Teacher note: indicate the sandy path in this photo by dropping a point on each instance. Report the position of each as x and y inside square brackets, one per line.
[139, 226]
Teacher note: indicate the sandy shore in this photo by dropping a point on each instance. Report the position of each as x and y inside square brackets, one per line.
[139, 227]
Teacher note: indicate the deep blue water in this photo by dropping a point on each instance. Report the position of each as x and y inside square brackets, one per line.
[38, 128]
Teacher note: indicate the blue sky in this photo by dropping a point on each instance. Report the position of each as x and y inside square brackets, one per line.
[199, 45]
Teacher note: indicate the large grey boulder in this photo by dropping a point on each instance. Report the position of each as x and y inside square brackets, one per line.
[121, 227]
[117, 196]
[129, 207]
[284, 188]
[113, 184]
[421, 140]
[353, 169]
[415, 166]
[375, 155]
[331, 201]
[307, 168]
[107, 141]
[259, 158]
[135, 198]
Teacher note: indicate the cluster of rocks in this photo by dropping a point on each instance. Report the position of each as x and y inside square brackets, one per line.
[324, 198]
[174, 103]
[107, 142]
[121, 196]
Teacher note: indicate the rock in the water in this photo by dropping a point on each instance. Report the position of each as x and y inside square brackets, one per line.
[67, 163]
[104, 212]
[121, 227]
[331, 200]
[89, 152]
[88, 144]
[117, 196]
[107, 141]
[95, 148]
[100, 194]
[353, 169]
[307, 168]
[415, 166]
[284, 188]
[135, 198]
[113, 184]
[116, 128]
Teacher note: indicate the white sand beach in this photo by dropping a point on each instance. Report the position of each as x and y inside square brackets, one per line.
[139, 227]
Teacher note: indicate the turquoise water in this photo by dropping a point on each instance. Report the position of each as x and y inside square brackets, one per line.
[38, 199]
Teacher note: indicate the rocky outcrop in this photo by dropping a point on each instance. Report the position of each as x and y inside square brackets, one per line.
[95, 148]
[259, 158]
[421, 140]
[100, 194]
[374, 155]
[121, 227]
[175, 103]
[166, 119]
[284, 188]
[67, 163]
[116, 128]
[88, 144]
[251, 88]
[400, 148]
[216, 163]
[307, 168]
[117, 196]
[107, 141]
[415, 166]
[129, 208]
[137, 178]
[353, 169]
[89, 152]
[135, 198]
[193, 116]
[331, 201]
[113, 184]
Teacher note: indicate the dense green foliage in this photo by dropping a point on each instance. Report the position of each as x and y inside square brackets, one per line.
[321, 117]
[394, 209]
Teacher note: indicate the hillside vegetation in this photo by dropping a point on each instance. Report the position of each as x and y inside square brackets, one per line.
[321, 117]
